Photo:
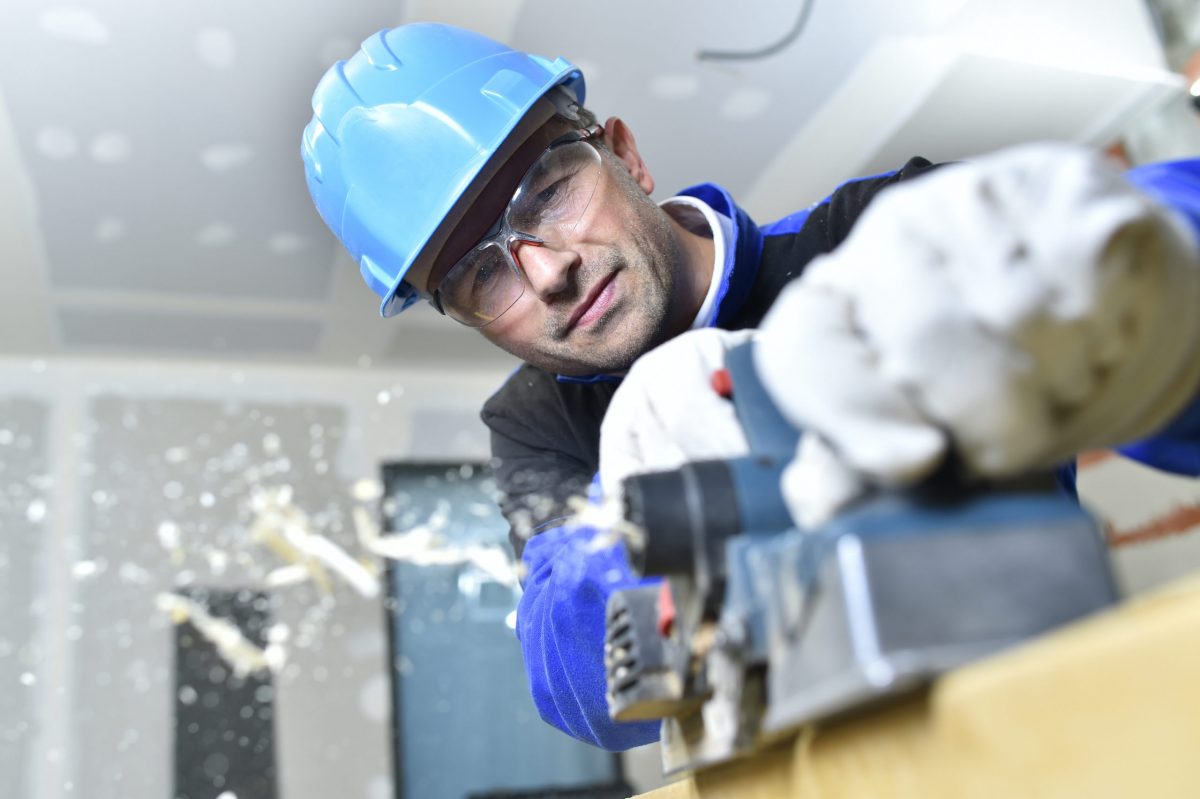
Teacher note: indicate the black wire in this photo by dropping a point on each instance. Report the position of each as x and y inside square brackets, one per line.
[749, 55]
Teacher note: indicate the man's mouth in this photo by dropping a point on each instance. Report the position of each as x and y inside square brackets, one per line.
[595, 304]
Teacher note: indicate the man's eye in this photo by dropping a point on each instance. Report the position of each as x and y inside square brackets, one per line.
[547, 195]
[486, 276]
[484, 273]
[557, 200]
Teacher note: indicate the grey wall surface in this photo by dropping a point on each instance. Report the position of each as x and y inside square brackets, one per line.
[121, 482]
[23, 511]
[190, 466]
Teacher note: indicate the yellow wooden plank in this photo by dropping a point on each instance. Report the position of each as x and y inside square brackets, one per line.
[1108, 707]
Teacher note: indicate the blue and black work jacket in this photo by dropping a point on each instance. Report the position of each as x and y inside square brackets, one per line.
[545, 430]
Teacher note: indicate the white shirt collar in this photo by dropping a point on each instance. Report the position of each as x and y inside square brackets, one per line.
[699, 217]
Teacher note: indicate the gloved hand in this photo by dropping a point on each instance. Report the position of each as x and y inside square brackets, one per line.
[1018, 308]
[572, 570]
[666, 411]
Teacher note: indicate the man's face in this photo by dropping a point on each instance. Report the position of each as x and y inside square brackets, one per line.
[606, 295]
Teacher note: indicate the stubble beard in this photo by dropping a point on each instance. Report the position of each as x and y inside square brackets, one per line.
[638, 321]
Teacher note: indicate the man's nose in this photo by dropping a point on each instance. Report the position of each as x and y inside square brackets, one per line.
[547, 269]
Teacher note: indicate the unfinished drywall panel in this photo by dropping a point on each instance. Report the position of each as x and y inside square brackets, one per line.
[24, 509]
[132, 480]
[176, 491]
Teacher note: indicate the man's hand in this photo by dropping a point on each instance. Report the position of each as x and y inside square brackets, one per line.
[667, 412]
[1018, 308]
[572, 571]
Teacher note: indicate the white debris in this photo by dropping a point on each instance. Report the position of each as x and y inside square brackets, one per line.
[36, 511]
[272, 445]
[423, 547]
[176, 454]
[243, 656]
[279, 633]
[169, 537]
[607, 516]
[352, 571]
[367, 490]
[132, 573]
[287, 531]
[481, 510]
[287, 575]
[276, 657]
[218, 560]
[85, 568]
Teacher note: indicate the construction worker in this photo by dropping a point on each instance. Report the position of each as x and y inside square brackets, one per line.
[461, 172]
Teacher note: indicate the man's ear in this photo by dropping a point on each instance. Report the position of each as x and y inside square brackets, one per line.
[620, 140]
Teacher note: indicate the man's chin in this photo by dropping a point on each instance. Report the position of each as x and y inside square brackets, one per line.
[617, 364]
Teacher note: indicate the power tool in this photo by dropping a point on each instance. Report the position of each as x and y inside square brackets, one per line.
[760, 627]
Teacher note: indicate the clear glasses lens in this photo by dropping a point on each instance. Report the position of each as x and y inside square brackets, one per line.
[483, 285]
[555, 192]
[547, 206]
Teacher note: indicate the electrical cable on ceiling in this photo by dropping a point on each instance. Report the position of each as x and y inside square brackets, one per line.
[750, 55]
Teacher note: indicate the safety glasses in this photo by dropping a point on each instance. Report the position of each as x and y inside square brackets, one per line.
[544, 211]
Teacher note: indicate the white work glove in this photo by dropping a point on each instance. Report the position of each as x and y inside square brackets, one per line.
[667, 413]
[1018, 309]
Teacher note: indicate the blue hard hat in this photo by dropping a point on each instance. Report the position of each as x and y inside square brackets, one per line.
[401, 129]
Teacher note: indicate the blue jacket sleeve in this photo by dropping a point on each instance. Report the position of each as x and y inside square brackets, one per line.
[560, 623]
[1175, 448]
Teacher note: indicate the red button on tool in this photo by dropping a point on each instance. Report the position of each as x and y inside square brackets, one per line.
[666, 609]
[722, 383]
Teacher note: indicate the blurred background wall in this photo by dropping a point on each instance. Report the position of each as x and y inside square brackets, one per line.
[126, 479]
[181, 339]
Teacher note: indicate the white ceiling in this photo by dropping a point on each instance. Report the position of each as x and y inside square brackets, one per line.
[152, 200]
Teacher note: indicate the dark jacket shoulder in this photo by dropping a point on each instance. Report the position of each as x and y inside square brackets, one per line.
[791, 243]
[545, 438]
